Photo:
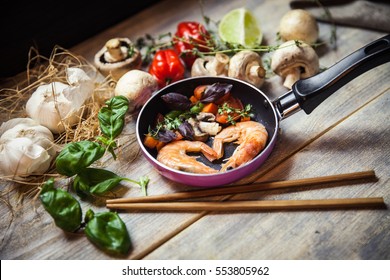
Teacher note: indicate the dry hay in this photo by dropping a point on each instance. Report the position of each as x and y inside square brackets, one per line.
[42, 70]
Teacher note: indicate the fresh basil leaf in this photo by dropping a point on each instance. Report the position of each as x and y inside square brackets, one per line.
[62, 206]
[215, 91]
[176, 101]
[95, 181]
[81, 188]
[112, 117]
[76, 156]
[108, 232]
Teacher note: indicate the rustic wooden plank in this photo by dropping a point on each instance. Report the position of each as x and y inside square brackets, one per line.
[150, 230]
[362, 142]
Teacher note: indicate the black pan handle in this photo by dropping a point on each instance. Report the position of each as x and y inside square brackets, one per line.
[311, 92]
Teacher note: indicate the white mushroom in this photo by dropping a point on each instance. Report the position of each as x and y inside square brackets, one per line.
[300, 25]
[210, 66]
[206, 117]
[211, 128]
[247, 66]
[138, 86]
[117, 57]
[294, 60]
[199, 135]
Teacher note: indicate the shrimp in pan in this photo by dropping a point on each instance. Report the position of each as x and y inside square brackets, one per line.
[174, 155]
[251, 137]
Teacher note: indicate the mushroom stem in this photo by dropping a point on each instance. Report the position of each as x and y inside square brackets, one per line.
[292, 76]
[117, 57]
[256, 71]
[114, 48]
[293, 62]
[247, 65]
[217, 65]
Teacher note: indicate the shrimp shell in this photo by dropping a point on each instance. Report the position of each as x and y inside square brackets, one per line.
[251, 137]
[174, 155]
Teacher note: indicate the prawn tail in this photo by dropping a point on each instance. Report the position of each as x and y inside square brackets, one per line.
[218, 147]
[209, 153]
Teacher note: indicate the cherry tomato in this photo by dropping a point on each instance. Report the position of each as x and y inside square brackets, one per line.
[167, 67]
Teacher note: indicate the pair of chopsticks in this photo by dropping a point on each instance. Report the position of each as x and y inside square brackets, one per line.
[159, 202]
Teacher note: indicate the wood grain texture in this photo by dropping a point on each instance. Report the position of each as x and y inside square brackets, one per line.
[349, 132]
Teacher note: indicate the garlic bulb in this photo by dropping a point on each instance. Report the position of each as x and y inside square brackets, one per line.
[26, 148]
[57, 105]
[26, 127]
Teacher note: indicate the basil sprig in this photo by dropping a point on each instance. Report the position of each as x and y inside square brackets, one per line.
[107, 231]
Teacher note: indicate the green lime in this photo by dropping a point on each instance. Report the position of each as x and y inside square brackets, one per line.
[239, 26]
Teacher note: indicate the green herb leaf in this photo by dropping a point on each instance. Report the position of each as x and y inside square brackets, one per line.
[62, 206]
[95, 181]
[112, 117]
[77, 156]
[172, 115]
[107, 231]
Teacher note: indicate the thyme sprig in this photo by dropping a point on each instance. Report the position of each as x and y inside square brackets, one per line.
[213, 45]
[233, 113]
[149, 45]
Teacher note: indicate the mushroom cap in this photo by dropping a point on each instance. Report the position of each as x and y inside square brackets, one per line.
[247, 66]
[119, 68]
[300, 25]
[137, 86]
[210, 65]
[296, 58]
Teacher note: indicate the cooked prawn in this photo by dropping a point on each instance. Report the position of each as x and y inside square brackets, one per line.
[251, 137]
[175, 156]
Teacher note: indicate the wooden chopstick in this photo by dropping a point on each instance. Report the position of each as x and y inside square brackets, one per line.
[254, 187]
[262, 205]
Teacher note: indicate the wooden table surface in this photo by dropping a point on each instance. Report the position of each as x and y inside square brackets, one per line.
[349, 132]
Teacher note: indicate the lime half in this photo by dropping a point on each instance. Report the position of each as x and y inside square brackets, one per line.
[240, 26]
